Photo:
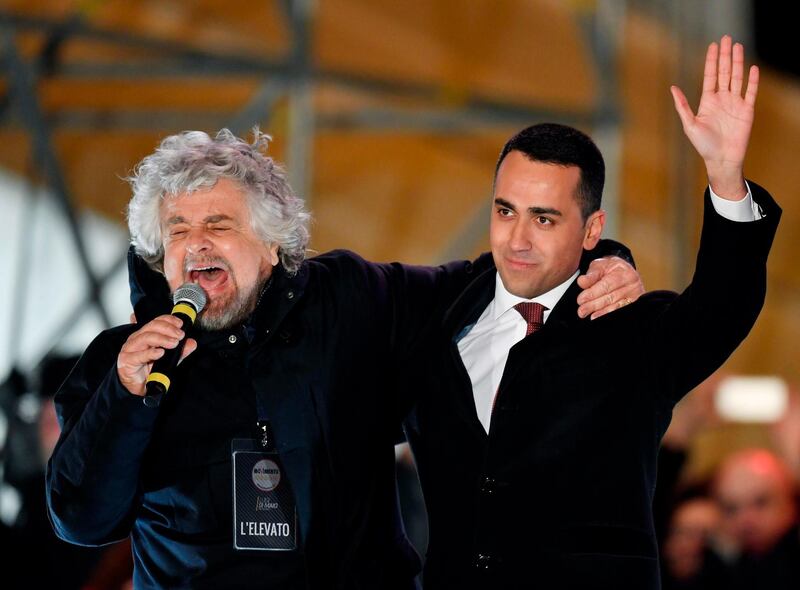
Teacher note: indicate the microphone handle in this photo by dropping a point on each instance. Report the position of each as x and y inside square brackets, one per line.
[158, 381]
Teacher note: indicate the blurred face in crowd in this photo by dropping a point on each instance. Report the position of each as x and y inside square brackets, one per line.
[209, 240]
[693, 524]
[537, 232]
[755, 494]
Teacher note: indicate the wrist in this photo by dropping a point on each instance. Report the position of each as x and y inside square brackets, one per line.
[727, 183]
[133, 387]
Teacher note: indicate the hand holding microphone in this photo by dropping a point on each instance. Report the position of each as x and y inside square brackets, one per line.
[147, 359]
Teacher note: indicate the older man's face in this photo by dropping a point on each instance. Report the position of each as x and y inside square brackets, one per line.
[208, 240]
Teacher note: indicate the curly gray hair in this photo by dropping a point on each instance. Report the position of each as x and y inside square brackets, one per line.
[192, 160]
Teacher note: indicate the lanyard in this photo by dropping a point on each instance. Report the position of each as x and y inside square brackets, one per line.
[264, 436]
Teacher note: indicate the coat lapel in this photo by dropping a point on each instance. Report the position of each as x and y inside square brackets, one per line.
[531, 348]
[460, 318]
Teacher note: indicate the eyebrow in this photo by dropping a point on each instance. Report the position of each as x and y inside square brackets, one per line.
[210, 219]
[217, 218]
[531, 210]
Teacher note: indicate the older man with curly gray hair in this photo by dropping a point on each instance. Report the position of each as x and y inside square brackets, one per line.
[193, 161]
[190, 167]
[294, 356]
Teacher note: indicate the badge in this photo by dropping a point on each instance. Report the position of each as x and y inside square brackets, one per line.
[264, 510]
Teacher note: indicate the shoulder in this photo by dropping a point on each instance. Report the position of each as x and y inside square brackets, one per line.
[649, 305]
[337, 259]
[111, 340]
[339, 266]
[656, 299]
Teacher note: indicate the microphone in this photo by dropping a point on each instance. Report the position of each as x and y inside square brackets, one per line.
[189, 300]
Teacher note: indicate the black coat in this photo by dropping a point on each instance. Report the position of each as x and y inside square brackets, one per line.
[322, 352]
[559, 493]
[317, 352]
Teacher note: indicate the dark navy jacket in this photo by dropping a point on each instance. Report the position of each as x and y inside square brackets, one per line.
[324, 343]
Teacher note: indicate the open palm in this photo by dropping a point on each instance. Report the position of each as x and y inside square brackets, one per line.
[721, 129]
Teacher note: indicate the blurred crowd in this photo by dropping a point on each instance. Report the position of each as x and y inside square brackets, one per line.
[33, 557]
[726, 505]
[734, 525]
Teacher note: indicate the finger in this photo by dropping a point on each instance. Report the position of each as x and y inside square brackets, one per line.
[150, 339]
[590, 308]
[615, 282]
[609, 308]
[597, 303]
[737, 77]
[188, 348]
[162, 320]
[752, 86]
[599, 290]
[593, 274]
[626, 291]
[585, 281]
[589, 279]
[682, 107]
[724, 71]
[633, 291]
[169, 319]
[710, 70]
[133, 361]
[160, 326]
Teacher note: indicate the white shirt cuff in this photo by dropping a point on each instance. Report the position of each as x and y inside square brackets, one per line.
[745, 209]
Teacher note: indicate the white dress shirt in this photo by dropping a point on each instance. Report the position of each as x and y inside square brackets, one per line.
[484, 349]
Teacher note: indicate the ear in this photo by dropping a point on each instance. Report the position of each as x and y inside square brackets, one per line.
[273, 254]
[593, 229]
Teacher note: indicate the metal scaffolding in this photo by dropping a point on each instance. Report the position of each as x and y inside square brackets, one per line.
[293, 78]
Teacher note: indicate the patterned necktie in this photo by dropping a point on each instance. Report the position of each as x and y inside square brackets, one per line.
[533, 314]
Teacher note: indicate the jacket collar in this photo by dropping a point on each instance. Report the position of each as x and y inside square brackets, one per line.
[150, 296]
[469, 306]
[565, 313]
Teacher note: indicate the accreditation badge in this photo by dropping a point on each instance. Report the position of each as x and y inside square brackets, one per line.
[264, 509]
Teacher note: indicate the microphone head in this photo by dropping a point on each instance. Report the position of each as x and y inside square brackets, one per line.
[192, 294]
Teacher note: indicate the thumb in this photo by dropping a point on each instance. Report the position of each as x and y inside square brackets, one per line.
[188, 348]
[682, 106]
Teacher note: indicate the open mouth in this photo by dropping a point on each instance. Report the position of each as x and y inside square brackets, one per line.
[209, 278]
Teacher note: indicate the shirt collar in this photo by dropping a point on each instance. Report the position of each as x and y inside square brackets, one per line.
[504, 301]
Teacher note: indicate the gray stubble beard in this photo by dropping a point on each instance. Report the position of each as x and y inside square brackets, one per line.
[237, 311]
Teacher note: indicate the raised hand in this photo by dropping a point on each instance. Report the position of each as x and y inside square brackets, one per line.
[721, 129]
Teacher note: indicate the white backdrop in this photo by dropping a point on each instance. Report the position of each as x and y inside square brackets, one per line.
[35, 237]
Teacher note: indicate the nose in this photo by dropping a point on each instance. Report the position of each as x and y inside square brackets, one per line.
[520, 239]
[197, 241]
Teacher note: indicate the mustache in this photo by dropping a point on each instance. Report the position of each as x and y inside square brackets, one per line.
[191, 262]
